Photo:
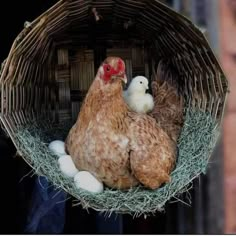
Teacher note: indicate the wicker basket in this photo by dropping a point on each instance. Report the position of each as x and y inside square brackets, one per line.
[54, 59]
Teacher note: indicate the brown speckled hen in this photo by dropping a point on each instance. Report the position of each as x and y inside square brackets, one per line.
[119, 147]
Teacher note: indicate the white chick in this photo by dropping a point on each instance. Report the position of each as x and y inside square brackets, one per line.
[136, 97]
[88, 182]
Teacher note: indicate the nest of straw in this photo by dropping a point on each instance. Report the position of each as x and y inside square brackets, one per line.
[196, 142]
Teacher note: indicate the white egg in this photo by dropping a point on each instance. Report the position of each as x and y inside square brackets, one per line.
[58, 147]
[87, 181]
[67, 166]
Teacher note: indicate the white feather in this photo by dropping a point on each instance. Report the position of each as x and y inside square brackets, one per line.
[125, 94]
[123, 142]
[87, 181]
[67, 166]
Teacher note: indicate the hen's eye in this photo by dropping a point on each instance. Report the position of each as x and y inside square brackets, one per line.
[140, 82]
[108, 68]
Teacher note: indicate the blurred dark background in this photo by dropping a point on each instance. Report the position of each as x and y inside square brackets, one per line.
[206, 213]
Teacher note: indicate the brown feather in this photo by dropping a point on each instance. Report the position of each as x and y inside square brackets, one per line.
[153, 153]
[168, 103]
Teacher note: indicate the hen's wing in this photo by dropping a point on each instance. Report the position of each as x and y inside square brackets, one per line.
[153, 153]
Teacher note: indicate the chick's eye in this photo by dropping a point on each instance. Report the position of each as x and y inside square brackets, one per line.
[140, 82]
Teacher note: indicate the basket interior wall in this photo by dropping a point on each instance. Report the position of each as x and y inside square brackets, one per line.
[54, 60]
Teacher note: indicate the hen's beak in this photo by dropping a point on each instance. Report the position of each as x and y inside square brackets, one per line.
[124, 79]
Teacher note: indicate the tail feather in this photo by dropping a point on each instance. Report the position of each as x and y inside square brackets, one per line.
[168, 103]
